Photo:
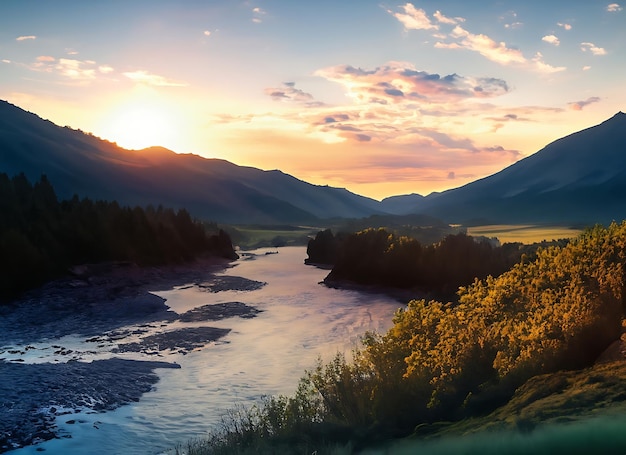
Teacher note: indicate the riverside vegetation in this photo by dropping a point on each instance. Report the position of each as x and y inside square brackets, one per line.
[40, 236]
[443, 362]
[376, 257]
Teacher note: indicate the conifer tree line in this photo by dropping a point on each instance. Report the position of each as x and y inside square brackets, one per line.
[40, 236]
[379, 257]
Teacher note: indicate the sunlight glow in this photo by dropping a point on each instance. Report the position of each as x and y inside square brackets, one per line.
[141, 127]
[143, 121]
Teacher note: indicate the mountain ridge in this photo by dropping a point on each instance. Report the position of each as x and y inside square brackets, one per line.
[577, 179]
[81, 163]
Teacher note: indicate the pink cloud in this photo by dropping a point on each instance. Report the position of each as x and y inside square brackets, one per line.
[289, 93]
[580, 105]
[401, 82]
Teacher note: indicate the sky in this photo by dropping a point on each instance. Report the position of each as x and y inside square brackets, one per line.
[381, 98]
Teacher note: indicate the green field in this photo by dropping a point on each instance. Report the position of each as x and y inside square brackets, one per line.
[524, 233]
[257, 236]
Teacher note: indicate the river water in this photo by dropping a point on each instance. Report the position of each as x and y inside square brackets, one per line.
[266, 355]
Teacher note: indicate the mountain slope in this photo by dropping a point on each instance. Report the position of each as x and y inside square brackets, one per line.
[580, 178]
[402, 204]
[79, 163]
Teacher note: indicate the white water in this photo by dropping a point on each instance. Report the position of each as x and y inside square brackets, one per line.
[266, 355]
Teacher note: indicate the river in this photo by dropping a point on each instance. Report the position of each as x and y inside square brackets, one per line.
[300, 320]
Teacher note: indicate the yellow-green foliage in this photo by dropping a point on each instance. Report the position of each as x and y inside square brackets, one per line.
[558, 311]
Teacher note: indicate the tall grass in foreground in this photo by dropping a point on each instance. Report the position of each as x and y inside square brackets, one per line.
[265, 428]
[601, 435]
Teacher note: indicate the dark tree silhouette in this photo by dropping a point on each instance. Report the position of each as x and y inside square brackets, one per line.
[41, 237]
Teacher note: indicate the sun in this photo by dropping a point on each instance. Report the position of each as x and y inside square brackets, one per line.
[138, 124]
[139, 127]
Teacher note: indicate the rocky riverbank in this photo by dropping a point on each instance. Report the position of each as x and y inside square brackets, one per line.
[34, 396]
[112, 310]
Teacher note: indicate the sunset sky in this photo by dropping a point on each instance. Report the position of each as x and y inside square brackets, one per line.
[381, 98]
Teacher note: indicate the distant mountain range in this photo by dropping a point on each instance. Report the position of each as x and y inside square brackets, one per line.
[580, 178]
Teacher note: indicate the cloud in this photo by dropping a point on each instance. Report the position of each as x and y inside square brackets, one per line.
[497, 52]
[206, 33]
[586, 68]
[595, 50]
[580, 105]
[258, 14]
[510, 20]
[424, 154]
[447, 20]
[289, 93]
[144, 77]
[25, 37]
[551, 39]
[4, 60]
[334, 118]
[414, 18]
[401, 82]
[564, 25]
[613, 8]
[462, 39]
[509, 118]
[81, 71]
[105, 69]
[76, 69]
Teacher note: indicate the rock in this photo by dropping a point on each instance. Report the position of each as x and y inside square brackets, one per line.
[183, 340]
[217, 311]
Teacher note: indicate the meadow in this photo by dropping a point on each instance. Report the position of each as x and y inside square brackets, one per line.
[524, 233]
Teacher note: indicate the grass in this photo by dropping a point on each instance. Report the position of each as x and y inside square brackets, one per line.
[250, 237]
[524, 233]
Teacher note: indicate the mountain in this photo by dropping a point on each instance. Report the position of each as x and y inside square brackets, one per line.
[82, 164]
[401, 205]
[580, 178]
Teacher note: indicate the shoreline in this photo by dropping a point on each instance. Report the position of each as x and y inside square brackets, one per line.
[111, 311]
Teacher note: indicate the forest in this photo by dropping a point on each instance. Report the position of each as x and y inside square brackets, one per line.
[382, 258]
[441, 362]
[40, 236]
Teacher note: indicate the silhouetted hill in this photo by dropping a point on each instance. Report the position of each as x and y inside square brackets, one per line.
[401, 205]
[580, 178]
[79, 163]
